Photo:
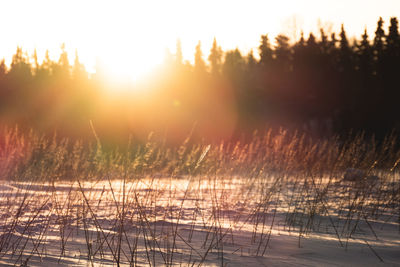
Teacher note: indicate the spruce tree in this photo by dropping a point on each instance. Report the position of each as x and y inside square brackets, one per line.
[36, 65]
[234, 64]
[379, 69]
[251, 68]
[78, 69]
[345, 52]
[63, 69]
[366, 93]
[283, 53]
[324, 46]
[325, 77]
[179, 56]
[347, 94]
[20, 70]
[393, 38]
[199, 64]
[299, 79]
[299, 54]
[265, 51]
[46, 68]
[365, 57]
[215, 58]
[251, 62]
[378, 46]
[391, 72]
[3, 69]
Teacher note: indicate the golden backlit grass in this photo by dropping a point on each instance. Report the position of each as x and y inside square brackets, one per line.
[195, 203]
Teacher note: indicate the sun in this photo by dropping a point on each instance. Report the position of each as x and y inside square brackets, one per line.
[122, 66]
[126, 60]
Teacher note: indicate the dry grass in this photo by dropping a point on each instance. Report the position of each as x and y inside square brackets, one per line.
[193, 204]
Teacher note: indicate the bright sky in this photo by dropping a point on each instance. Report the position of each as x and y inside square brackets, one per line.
[130, 37]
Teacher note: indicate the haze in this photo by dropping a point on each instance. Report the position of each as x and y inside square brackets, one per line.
[117, 33]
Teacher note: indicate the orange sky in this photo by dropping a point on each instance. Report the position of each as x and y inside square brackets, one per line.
[130, 37]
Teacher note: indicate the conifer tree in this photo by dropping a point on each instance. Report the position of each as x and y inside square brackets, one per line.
[379, 36]
[310, 66]
[392, 45]
[251, 62]
[251, 68]
[299, 71]
[234, 64]
[298, 54]
[365, 83]
[391, 71]
[251, 65]
[345, 52]
[36, 65]
[199, 64]
[62, 69]
[179, 56]
[46, 68]
[379, 70]
[266, 52]
[378, 45]
[283, 53]
[3, 69]
[20, 69]
[365, 55]
[215, 58]
[78, 69]
[311, 51]
[326, 75]
[324, 46]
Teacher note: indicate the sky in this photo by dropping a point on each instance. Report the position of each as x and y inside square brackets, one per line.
[131, 37]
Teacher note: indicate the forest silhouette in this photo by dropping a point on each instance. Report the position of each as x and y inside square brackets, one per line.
[321, 84]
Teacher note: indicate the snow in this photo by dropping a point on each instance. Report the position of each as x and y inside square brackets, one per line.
[224, 221]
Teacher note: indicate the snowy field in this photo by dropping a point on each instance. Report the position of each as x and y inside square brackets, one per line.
[277, 220]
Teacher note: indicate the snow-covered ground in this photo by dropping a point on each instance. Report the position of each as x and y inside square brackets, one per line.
[273, 221]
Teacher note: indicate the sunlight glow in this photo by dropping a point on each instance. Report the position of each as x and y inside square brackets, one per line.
[117, 64]
[130, 37]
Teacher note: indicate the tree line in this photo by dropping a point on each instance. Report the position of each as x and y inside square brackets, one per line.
[336, 83]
